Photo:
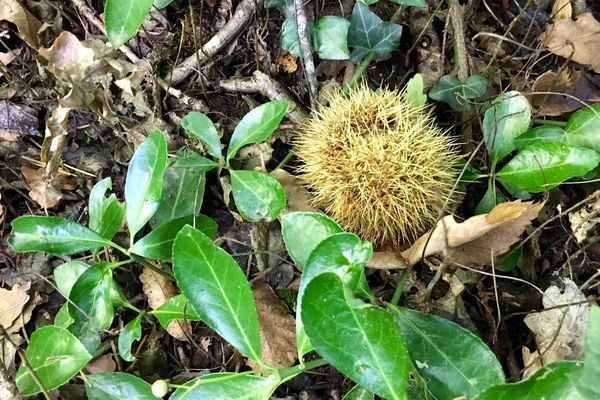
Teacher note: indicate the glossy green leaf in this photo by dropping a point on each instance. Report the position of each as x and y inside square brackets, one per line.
[546, 133]
[65, 275]
[553, 382]
[130, 333]
[106, 213]
[117, 386]
[490, 199]
[330, 36]
[414, 91]
[448, 355]
[54, 235]
[143, 188]
[62, 318]
[583, 128]
[290, 41]
[202, 128]
[303, 231]
[217, 289]
[55, 355]
[257, 195]
[90, 304]
[176, 308]
[586, 384]
[508, 261]
[457, 94]
[183, 188]
[360, 340]
[123, 18]
[358, 393]
[343, 253]
[157, 245]
[544, 165]
[226, 386]
[257, 125]
[369, 33]
[507, 118]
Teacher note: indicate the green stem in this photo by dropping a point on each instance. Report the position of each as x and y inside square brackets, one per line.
[399, 288]
[151, 266]
[288, 373]
[360, 70]
[541, 121]
[286, 160]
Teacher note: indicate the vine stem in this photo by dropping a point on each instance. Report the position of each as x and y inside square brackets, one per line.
[549, 122]
[362, 67]
[399, 288]
[288, 373]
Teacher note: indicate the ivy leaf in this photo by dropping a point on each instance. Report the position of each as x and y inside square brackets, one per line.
[117, 386]
[55, 355]
[330, 36]
[552, 382]
[123, 18]
[157, 245]
[217, 289]
[143, 188]
[544, 165]
[303, 231]
[201, 127]
[546, 133]
[227, 385]
[508, 117]
[90, 304]
[455, 93]
[360, 340]
[54, 235]
[583, 128]
[452, 367]
[106, 214]
[176, 308]
[414, 91]
[257, 195]
[369, 33]
[257, 125]
[130, 333]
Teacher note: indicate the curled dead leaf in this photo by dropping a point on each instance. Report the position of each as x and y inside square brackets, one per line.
[67, 54]
[12, 303]
[478, 239]
[298, 198]
[45, 189]
[576, 86]
[27, 24]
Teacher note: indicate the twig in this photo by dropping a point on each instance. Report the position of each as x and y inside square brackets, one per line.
[242, 15]
[306, 52]
[265, 85]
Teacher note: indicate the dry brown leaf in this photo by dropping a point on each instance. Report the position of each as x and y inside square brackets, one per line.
[298, 198]
[477, 239]
[277, 328]
[288, 63]
[577, 40]
[104, 363]
[386, 259]
[158, 290]
[562, 9]
[12, 303]
[576, 84]
[67, 54]
[25, 315]
[44, 189]
[585, 219]
[27, 24]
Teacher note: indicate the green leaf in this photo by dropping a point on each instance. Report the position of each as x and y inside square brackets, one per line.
[448, 355]
[552, 382]
[343, 253]
[201, 127]
[257, 195]
[303, 231]
[130, 333]
[160, 4]
[117, 386]
[544, 165]
[583, 128]
[489, 200]
[157, 245]
[54, 235]
[360, 340]
[455, 93]
[183, 188]
[413, 3]
[106, 214]
[143, 188]
[358, 393]
[123, 18]
[55, 355]
[330, 35]
[414, 91]
[227, 385]
[586, 384]
[90, 304]
[257, 125]
[508, 118]
[176, 308]
[369, 33]
[508, 261]
[62, 318]
[546, 133]
[65, 275]
[217, 289]
[290, 41]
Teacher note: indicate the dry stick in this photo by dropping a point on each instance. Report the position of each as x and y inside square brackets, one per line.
[242, 15]
[306, 52]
